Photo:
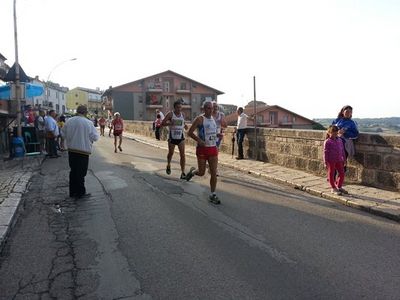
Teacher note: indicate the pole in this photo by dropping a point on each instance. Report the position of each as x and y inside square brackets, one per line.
[255, 120]
[17, 79]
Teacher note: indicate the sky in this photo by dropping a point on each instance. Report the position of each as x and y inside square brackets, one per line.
[311, 56]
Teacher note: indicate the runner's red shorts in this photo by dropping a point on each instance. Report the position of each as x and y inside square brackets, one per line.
[206, 152]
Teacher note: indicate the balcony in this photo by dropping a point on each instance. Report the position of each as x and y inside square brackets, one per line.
[154, 88]
[181, 91]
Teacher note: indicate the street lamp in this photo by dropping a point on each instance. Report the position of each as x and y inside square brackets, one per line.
[48, 77]
[17, 79]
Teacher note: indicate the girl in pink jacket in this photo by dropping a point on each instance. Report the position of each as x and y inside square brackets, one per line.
[334, 159]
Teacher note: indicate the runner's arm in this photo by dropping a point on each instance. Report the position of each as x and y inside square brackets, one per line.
[167, 120]
[193, 127]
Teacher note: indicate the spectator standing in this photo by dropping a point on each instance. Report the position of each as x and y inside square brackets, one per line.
[334, 159]
[118, 128]
[241, 131]
[157, 125]
[60, 123]
[79, 133]
[51, 134]
[40, 129]
[159, 112]
[348, 130]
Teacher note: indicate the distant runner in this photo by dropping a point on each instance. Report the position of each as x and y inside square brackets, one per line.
[176, 122]
[206, 150]
[118, 128]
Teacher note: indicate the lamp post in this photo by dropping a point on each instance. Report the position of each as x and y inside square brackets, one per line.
[48, 77]
[17, 79]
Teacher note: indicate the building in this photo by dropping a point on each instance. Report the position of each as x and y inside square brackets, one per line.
[138, 100]
[272, 116]
[5, 116]
[84, 96]
[54, 97]
[228, 108]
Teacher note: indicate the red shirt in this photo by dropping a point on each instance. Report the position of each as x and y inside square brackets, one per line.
[118, 125]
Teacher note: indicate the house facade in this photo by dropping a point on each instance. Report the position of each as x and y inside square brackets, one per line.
[53, 98]
[272, 116]
[139, 99]
[92, 98]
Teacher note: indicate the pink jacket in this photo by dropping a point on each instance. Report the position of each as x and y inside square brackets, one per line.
[334, 151]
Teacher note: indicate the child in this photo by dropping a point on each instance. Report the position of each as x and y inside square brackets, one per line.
[334, 159]
[157, 126]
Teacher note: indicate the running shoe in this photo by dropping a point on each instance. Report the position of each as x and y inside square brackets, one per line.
[190, 174]
[183, 176]
[168, 169]
[120, 149]
[343, 191]
[214, 199]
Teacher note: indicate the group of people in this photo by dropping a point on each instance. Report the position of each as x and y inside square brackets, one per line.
[338, 147]
[48, 132]
[207, 130]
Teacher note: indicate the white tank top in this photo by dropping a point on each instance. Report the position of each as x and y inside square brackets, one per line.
[208, 132]
[177, 125]
[218, 120]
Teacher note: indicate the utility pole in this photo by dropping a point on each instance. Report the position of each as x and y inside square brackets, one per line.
[255, 120]
[17, 79]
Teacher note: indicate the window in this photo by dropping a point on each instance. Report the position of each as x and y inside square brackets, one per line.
[166, 86]
[140, 99]
[183, 85]
[273, 117]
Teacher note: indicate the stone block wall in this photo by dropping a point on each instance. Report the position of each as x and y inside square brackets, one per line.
[376, 163]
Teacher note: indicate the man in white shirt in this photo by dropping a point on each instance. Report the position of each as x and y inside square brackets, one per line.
[79, 133]
[241, 131]
[52, 133]
[160, 113]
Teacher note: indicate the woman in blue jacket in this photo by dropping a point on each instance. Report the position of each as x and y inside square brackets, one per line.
[348, 130]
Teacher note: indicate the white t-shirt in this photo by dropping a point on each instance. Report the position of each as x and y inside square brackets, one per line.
[242, 121]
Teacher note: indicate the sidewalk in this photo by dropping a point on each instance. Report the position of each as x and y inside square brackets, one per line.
[14, 181]
[372, 200]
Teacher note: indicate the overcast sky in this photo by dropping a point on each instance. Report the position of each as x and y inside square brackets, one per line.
[308, 56]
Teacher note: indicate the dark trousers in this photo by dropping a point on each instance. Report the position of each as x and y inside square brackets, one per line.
[157, 131]
[52, 146]
[240, 137]
[79, 165]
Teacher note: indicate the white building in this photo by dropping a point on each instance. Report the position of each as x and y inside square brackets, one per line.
[54, 97]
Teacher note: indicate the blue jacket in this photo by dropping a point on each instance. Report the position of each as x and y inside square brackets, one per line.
[351, 131]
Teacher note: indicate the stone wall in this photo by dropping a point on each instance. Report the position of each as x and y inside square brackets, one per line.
[376, 163]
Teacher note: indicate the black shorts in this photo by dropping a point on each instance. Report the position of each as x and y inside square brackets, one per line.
[175, 141]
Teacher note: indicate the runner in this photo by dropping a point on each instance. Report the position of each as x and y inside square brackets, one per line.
[206, 150]
[176, 122]
[219, 118]
[118, 128]
[102, 123]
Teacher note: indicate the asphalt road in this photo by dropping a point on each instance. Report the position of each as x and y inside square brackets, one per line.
[147, 235]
